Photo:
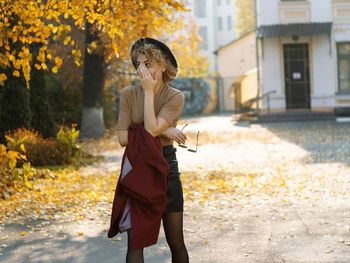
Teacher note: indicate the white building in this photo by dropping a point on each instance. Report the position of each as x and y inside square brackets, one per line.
[238, 73]
[215, 19]
[304, 53]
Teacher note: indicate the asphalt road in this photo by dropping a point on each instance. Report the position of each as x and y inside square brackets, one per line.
[303, 218]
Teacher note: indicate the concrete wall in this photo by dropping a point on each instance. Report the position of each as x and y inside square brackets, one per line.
[321, 10]
[267, 13]
[271, 73]
[323, 86]
[274, 11]
[234, 61]
[227, 101]
[237, 58]
[249, 86]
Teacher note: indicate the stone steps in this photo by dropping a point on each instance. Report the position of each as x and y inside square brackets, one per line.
[294, 116]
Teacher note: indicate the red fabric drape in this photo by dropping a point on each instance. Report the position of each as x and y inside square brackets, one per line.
[145, 185]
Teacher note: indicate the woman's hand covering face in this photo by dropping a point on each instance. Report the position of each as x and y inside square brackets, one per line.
[148, 82]
[149, 72]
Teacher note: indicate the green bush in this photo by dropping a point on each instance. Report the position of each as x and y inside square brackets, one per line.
[42, 152]
[68, 138]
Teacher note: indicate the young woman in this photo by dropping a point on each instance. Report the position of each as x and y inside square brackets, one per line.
[158, 106]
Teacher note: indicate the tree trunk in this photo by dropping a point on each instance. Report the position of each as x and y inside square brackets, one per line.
[39, 103]
[92, 125]
[14, 105]
[14, 97]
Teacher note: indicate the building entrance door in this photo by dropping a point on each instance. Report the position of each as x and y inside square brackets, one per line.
[297, 75]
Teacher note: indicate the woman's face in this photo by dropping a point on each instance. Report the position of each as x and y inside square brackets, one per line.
[152, 66]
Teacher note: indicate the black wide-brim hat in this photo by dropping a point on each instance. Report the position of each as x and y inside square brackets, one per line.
[158, 44]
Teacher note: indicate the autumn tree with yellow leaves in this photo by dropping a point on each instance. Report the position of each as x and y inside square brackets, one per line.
[245, 16]
[107, 38]
[187, 46]
[110, 27]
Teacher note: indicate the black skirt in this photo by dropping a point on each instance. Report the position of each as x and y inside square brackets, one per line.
[175, 200]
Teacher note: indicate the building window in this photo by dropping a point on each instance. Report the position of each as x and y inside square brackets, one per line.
[229, 23]
[203, 32]
[220, 23]
[343, 50]
[200, 8]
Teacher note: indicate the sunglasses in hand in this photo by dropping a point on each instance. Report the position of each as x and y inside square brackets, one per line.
[184, 146]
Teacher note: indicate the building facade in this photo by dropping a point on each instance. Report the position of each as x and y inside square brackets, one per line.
[304, 53]
[215, 19]
[237, 73]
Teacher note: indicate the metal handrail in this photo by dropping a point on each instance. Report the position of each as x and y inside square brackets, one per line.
[267, 94]
[247, 105]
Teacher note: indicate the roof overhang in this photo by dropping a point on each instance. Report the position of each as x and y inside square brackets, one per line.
[297, 29]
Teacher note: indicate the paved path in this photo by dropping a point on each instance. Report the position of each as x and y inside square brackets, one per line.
[260, 193]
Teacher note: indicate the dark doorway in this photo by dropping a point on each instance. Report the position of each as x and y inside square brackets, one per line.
[297, 75]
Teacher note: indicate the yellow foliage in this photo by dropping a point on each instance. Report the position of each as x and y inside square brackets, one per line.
[10, 175]
[22, 148]
[187, 48]
[43, 66]
[16, 73]
[38, 67]
[58, 61]
[93, 45]
[12, 157]
[29, 21]
[245, 16]
[3, 77]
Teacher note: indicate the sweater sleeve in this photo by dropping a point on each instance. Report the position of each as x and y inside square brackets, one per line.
[124, 118]
[172, 109]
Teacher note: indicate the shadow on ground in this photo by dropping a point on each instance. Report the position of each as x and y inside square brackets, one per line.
[326, 141]
[63, 247]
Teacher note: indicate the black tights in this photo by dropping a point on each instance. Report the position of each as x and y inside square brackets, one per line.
[134, 255]
[172, 223]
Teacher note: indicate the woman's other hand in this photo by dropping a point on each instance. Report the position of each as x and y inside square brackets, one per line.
[175, 134]
[122, 137]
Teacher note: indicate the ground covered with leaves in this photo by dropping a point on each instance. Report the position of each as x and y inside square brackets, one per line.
[253, 193]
